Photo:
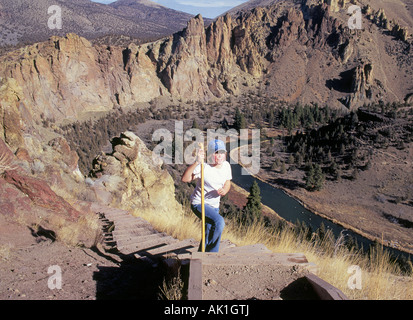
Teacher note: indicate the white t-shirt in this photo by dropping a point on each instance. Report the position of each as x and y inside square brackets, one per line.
[214, 179]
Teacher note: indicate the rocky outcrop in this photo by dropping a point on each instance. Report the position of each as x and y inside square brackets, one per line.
[185, 71]
[37, 190]
[7, 159]
[362, 77]
[41, 194]
[399, 32]
[11, 124]
[32, 202]
[59, 79]
[132, 178]
[337, 5]
[68, 156]
[379, 18]
[361, 85]
[66, 77]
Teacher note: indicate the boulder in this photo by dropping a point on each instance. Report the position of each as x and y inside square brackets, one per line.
[39, 192]
[134, 177]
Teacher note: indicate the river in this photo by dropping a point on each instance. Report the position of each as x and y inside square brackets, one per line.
[293, 211]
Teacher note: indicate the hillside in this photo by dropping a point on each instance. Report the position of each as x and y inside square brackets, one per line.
[293, 53]
[26, 21]
[65, 100]
[400, 10]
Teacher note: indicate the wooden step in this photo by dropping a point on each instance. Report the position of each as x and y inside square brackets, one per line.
[145, 245]
[131, 221]
[133, 227]
[252, 258]
[121, 234]
[141, 239]
[253, 248]
[180, 247]
[123, 219]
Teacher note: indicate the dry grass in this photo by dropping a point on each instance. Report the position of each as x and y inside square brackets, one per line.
[172, 287]
[85, 231]
[183, 227]
[381, 279]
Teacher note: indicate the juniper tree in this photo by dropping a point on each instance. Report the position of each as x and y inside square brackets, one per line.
[253, 207]
[239, 120]
[314, 178]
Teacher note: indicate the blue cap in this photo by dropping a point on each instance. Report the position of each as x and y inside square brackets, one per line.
[216, 145]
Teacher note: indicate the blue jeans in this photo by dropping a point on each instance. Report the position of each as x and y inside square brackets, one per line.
[214, 225]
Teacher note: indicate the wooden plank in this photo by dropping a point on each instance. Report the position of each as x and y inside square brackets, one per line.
[254, 248]
[141, 239]
[124, 234]
[131, 228]
[132, 221]
[184, 258]
[141, 243]
[184, 246]
[129, 248]
[247, 258]
[195, 280]
[325, 290]
[123, 218]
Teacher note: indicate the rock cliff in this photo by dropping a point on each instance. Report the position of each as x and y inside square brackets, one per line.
[28, 199]
[131, 177]
[298, 51]
[42, 188]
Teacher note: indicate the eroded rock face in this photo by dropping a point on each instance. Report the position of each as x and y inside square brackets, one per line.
[40, 194]
[66, 77]
[131, 177]
[32, 202]
[36, 190]
[69, 157]
[11, 124]
[185, 70]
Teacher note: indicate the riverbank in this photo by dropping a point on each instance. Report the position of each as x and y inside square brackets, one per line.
[356, 205]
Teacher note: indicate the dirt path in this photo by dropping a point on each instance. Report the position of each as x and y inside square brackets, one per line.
[86, 274]
[35, 267]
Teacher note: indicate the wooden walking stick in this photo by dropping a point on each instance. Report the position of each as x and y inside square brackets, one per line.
[201, 146]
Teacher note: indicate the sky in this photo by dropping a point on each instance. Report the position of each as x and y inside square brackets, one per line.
[207, 8]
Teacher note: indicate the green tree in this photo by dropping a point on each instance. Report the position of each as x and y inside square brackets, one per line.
[239, 120]
[319, 177]
[253, 207]
[309, 178]
[195, 124]
[283, 169]
[314, 178]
